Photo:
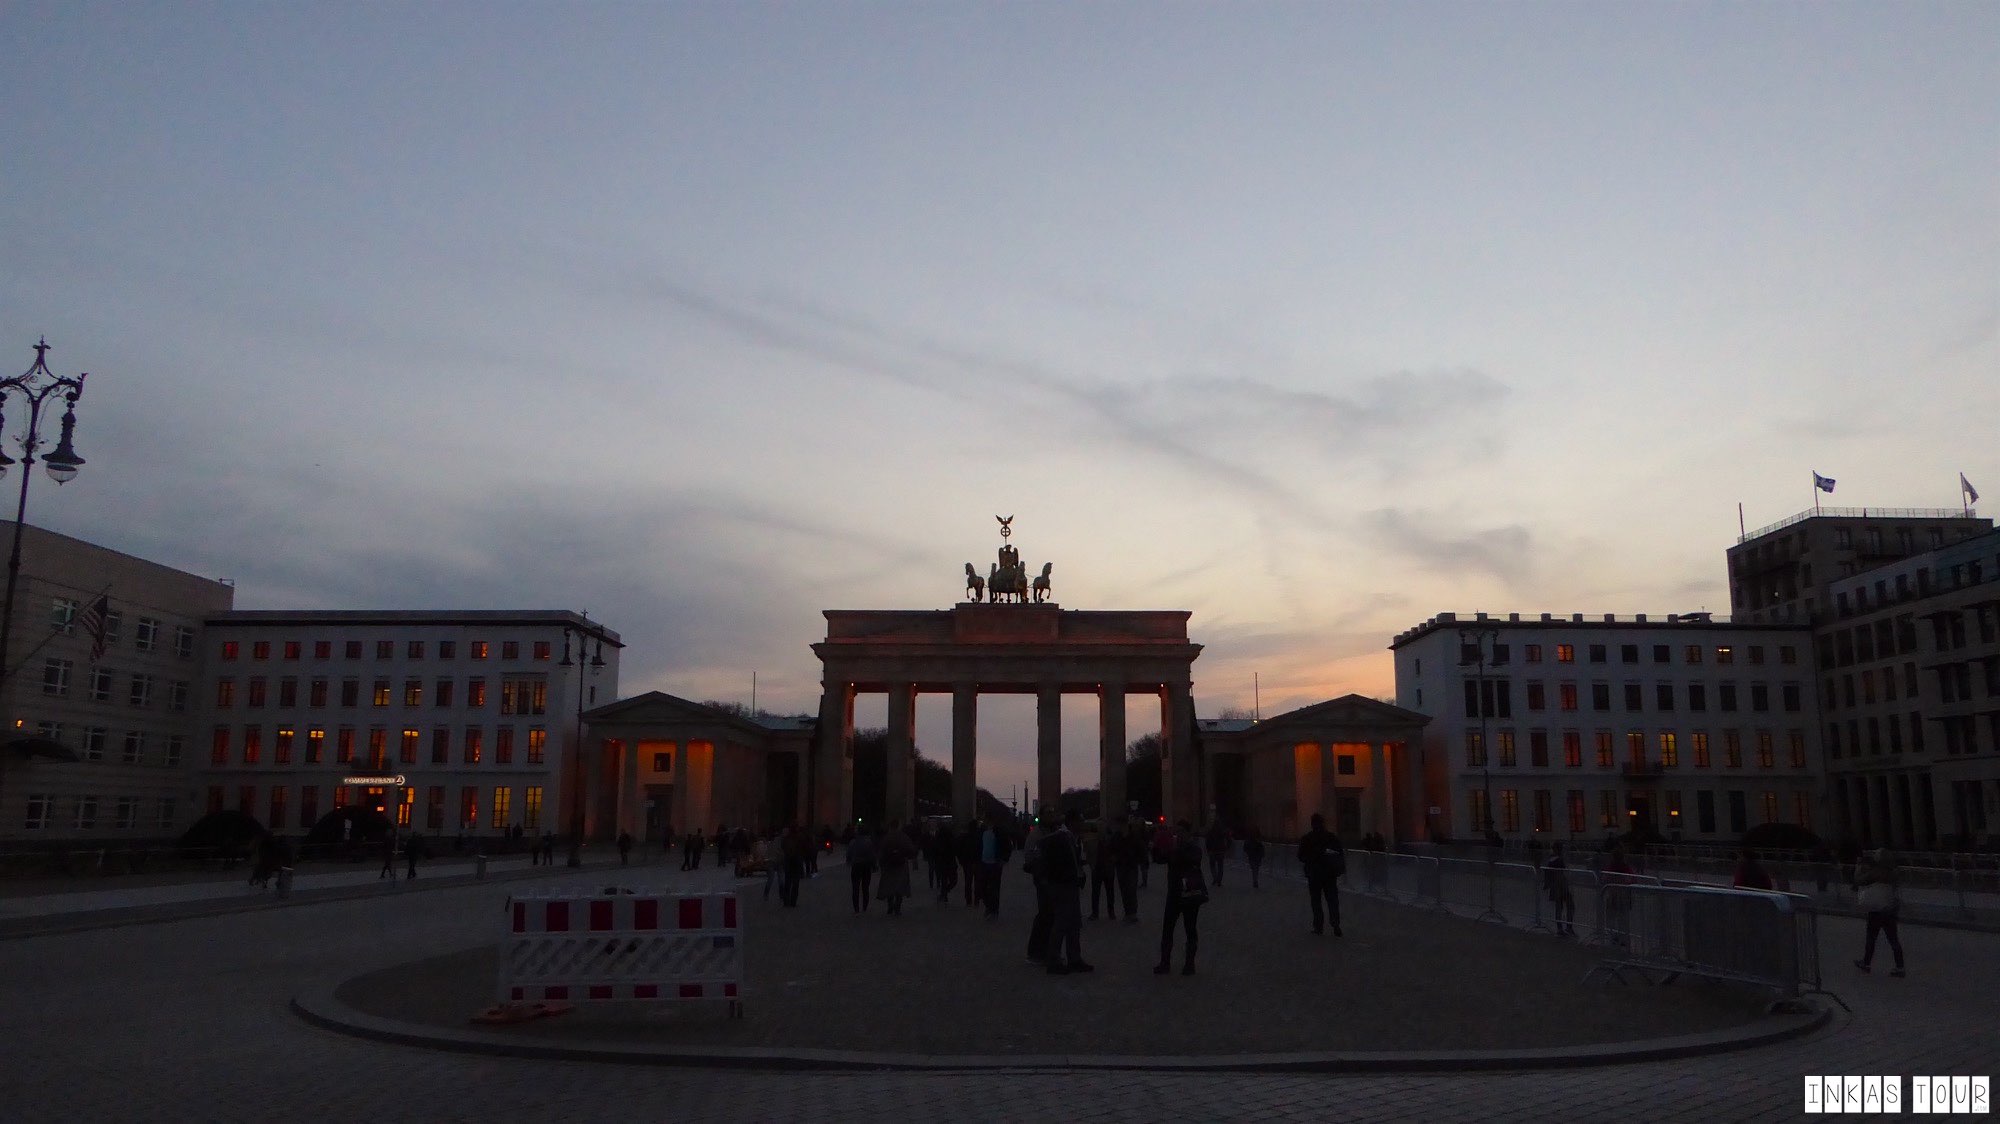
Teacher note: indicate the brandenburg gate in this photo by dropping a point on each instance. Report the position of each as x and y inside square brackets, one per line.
[1002, 640]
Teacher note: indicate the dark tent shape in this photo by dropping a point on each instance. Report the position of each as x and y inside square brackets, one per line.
[223, 829]
[1780, 837]
[39, 747]
[332, 830]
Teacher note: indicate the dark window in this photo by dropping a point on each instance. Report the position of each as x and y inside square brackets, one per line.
[1597, 653]
[1697, 696]
[414, 649]
[352, 650]
[1791, 696]
[1600, 696]
[1536, 697]
[1663, 696]
[385, 649]
[322, 650]
[1635, 699]
[1663, 653]
[1728, 698]
[1760, 697]
[447, 649]
[1538, 747]
[1628, 653]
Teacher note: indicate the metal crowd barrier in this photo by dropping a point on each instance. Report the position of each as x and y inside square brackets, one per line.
[1757, 937]
[622, 946]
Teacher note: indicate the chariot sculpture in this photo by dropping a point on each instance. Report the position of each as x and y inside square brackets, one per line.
[1007, 579]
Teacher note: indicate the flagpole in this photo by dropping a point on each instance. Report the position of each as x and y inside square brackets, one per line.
[1815, 493]
[1743, 532]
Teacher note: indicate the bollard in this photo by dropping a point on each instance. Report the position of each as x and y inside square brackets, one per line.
[284, 882]
[479, 867]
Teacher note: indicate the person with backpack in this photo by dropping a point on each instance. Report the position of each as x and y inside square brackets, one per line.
[1324, 861]
[1185, 894]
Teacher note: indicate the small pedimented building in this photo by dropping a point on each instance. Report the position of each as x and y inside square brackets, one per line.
[656, 762]
[1353, 759]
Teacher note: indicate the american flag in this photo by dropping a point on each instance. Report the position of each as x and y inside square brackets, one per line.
[93, 625]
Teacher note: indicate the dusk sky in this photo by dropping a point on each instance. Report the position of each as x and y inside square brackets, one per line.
[1312, 319]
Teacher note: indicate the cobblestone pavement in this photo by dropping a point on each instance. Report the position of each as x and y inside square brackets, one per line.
[188, 1021]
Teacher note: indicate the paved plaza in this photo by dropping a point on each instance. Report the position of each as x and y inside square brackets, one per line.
[190, 1020]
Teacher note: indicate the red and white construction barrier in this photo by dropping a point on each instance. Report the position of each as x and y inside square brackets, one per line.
[643, 946]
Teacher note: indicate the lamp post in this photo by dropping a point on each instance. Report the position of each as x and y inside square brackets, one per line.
[584, 670]
[36, 386]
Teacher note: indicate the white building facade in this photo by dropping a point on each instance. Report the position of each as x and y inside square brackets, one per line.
[127, 711]
[1690, 727]
[476, 711]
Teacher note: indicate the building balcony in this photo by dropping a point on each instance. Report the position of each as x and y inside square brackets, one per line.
[1644, 770]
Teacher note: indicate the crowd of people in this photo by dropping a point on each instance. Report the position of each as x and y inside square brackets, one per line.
[1064, 859]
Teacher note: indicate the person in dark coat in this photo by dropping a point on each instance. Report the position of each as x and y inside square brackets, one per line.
[413, 849]
[1253, 853]
[794, 850]
[1185, 894]
[944, 860]
[1128, 862]
[1063, 866]
[1324, 860]
[968, 861]
[624, 848]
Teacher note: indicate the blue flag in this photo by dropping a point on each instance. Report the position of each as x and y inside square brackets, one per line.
[1823, 483]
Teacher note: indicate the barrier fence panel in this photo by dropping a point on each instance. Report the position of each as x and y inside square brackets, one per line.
[1757, 937]
[646, 946]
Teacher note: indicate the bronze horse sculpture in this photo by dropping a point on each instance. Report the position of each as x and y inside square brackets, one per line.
[975, 586]
[1042, 590]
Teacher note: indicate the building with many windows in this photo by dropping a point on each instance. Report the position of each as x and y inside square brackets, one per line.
[123, 708]
[1692, 727]
[477, 711]
[1909, 664]
[1784, 573]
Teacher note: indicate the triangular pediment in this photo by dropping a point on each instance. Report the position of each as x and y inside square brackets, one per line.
[1350, 710]
[658, 707]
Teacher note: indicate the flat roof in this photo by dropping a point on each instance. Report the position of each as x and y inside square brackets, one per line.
[444, 618]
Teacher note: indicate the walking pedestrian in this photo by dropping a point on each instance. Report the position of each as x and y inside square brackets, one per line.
[1615, 883]
[548, 848]
[1185, 895]
[860, 868]
[968, 859]
[1062, 862]
[762, 854]
[413, 849]
[1128, 861]
[1555, 882]
[794, 848]
[894, 854]
[995, 848]
[1038, 931]
[944, 857]
[1253, 853]
[1324, 861]
[1218, 850]
[388, 856]
[1876, 885]
[721, 845]
[624, 848]
[1100, 847]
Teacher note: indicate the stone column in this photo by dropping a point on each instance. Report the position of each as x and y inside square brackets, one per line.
[1167, 761]
[1048, 746]
[902, 802]
[1111, 750]
[1187, 796]
[632, 813]
[964, 753]
[1899, 810]
[833, 773]
[1328, 784]
[1378, 788]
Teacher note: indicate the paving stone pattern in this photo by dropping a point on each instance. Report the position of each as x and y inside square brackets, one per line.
[188, 1021]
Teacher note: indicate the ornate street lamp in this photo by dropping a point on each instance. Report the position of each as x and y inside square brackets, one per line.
[36, 386]
[584, 670]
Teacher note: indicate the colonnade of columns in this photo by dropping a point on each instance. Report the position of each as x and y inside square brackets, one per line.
[834, 771]
[1889, 809]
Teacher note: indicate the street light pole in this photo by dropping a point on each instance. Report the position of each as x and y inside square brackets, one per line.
[584, 669]
[36, 386]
